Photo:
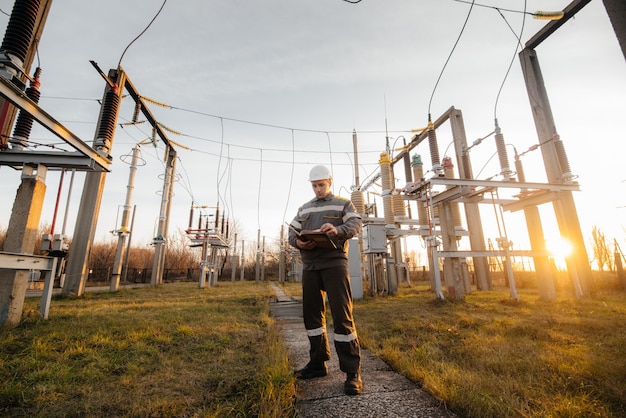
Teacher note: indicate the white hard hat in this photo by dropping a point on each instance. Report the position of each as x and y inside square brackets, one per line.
[320, 172]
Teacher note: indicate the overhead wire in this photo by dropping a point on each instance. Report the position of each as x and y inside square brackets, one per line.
[450, 55]
[537, 14]
[517, 46]
[141, 33]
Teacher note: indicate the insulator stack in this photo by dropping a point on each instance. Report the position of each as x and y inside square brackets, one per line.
[190, 216]
[106, 130]
[566, 171]
[418, 175]
[20, 29]
[136, 112]
[408, 174]
[24, 122]
[448, 170]
[217, 215]
[519, 168]
[385, 174]
[505, 168]
[434, 148]
[358, 201]
[399, 209]
[418, 167]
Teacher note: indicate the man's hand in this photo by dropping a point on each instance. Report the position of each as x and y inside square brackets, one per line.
[305, 245]
[329, 229]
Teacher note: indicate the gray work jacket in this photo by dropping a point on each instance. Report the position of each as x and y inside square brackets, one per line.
[336, 210]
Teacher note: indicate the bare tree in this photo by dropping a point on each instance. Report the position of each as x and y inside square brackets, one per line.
[601, 251]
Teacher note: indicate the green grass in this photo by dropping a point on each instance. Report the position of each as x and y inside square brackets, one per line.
[489, 356]
[172, 350]
[176, 350]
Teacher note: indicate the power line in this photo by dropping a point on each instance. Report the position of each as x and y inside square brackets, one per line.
[450, 55]
[142, 32]
[517, 45]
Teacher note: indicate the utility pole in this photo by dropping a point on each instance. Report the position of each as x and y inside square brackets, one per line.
[553, 153]
[258, 256]
[263, 261]
[91, 199]
[281, 260]
[160, 241]
[616, 9]
[233, 260]
[243, 260]
[124, 232]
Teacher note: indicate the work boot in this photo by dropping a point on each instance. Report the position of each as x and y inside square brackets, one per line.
[311, 371]
[353, 385]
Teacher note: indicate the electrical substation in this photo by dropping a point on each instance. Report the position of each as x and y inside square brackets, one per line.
[438, 202]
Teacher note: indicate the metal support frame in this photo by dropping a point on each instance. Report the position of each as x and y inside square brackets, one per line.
[12, 261]
[85, 157]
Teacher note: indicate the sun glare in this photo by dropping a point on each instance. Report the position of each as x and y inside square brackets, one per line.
[559, 247]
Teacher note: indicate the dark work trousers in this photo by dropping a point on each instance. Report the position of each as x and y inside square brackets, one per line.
[335, 282]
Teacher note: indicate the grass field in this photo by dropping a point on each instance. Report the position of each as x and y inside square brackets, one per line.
[172, 350]
[176, 350]
[490, 356]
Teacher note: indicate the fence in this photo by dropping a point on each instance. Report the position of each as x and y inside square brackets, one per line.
[144, 275]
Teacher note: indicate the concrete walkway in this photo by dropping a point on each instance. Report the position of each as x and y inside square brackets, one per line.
[385, 393]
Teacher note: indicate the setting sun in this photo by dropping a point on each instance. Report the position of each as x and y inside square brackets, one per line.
[559, 247]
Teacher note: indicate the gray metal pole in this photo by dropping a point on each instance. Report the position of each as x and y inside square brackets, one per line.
[243, 261]
[124, 231]
[234, 260]
[160, 242]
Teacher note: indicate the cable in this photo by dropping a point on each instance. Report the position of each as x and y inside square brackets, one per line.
[537, 15]
[142, 32]
[268, 125]
[517, 46]
[450, 56]
[352, 1]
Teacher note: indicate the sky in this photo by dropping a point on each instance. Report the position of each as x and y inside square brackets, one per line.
[258, 92]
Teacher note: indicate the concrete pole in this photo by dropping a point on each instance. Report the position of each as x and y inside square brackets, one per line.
[451, 265]
[233, 260]
[472, 211]
[263, 261]
[281, 259]
[243, 261]
[258, 256]
[20, 239]
[160, 242]
[85, 228]
[578, 266]
[124, 231]
[616, 10]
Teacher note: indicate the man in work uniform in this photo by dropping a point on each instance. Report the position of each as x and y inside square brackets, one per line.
[325, 271]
